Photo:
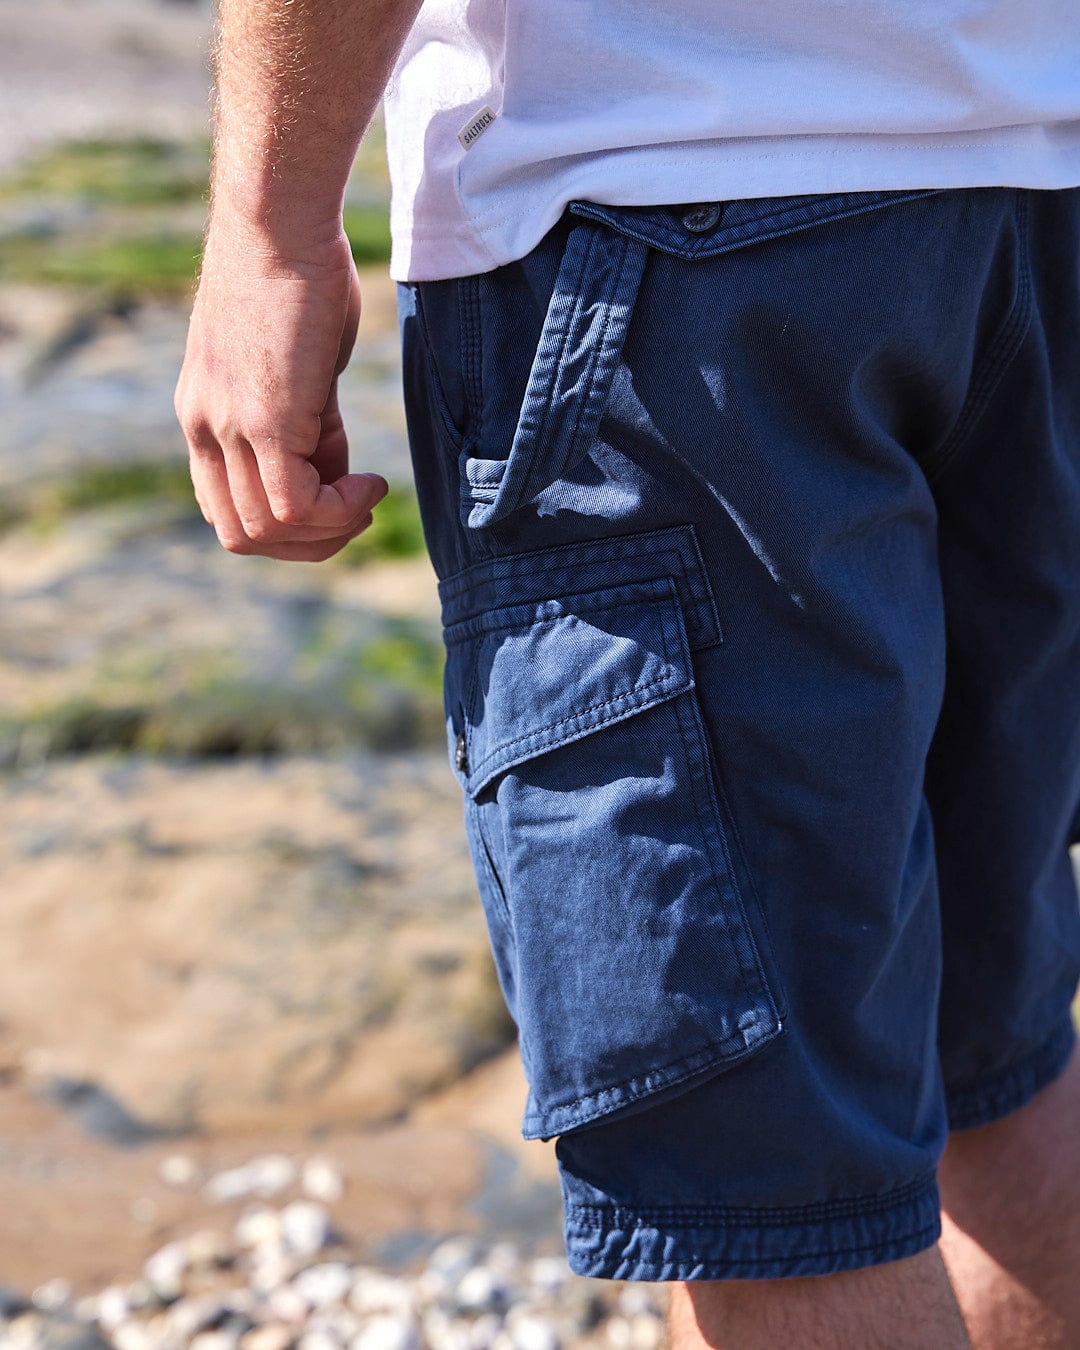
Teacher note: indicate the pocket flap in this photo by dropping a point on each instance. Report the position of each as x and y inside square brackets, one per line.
[554, 671]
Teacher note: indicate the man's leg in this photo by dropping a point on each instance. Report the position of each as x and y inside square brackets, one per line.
[904, 1305]
[1011, 1194]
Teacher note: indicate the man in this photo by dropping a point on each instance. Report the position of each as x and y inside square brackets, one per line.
[741, 355]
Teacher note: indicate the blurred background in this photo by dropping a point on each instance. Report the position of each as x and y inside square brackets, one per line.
[257, 1085]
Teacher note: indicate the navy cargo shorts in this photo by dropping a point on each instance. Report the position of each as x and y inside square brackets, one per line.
[757, 525]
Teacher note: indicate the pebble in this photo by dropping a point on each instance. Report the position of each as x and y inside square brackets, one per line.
[322, 1180]
[325, 1284]
[375, 1292]
[52, 1296]
[387, 1333]
[269, 1336]
[258, 1228]
[305, 1227]
[265, 1285]
[164, 1271]
[272, 1174]
[178, 1170]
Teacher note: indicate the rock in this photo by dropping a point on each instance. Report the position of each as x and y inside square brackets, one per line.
[206, 1250]
[529, 1332]
[135, 1336]
[258, 1228]
[318, 1340]
[52, 1296]
[287, 1304]
[322, 1180]
[232, 1184]
[51, 1331]
[164, 1271]
[214, 1340]
[480, 1290]
[375, 1292]
[305, 1227]
[271, 1175]
[387, 1333]
[269, 1336]
[12, 1302]
[549, 1274]
[178, 1170]
[98, 1111]
[326, 1284]
[112, 1307]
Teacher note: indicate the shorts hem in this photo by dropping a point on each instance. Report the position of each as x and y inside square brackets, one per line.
[999, 1094]
[752, 1244]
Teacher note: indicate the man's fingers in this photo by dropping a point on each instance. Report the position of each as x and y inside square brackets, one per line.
[295, 494]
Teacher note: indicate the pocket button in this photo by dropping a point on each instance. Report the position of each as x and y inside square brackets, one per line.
[701, 219]
[461, 755]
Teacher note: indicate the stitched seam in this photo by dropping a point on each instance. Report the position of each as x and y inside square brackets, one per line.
[704, 1057]
[711, 831]
[1002, 351]
[575, 717]
[781, 1216]
[564, 339]
[506, 567]
[693, 1262]
[487, 624]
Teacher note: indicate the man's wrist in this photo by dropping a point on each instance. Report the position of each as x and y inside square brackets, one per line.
[303, 234]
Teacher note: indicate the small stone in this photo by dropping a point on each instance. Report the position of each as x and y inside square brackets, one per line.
[532, 1333]
[270, 1269]
[51, 1331]
[325, 1284]
[288, 1304]
[258, 1228]
[133, 1336]
[52, 1296]
[387, 1333]
[232, 1184]
[270, 1175]
[270, 1336]
[322, 1180]
[549, 1274]
[318, 1340]
[164, 1271]
[619, 1335]
[646, 1332]
[486, 1332]
[207, 1249]
[480, 1291]
[195, 1314]
[140, 1295]
[12, 1302]
[178, 1169]
[214, 1340]
[305, 1226]
[375, 1292]
[453, 1257]
[112, 1307]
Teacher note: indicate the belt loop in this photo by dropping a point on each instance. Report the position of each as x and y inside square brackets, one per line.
[576, 358]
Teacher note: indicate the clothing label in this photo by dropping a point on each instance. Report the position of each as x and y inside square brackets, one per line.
[476, 127]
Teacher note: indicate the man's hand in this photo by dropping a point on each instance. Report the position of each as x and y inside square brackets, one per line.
[278, 301]
[257, 397]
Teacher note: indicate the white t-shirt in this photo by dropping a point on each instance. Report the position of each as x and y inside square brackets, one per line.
[499, 112]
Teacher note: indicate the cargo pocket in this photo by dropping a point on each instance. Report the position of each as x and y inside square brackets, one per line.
[629, 959]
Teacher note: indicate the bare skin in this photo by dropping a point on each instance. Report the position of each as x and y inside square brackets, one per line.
[1011, 1241]
[278, 302]
[904, 1305]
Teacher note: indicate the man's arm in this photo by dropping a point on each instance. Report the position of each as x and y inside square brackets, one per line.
[278, 301]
